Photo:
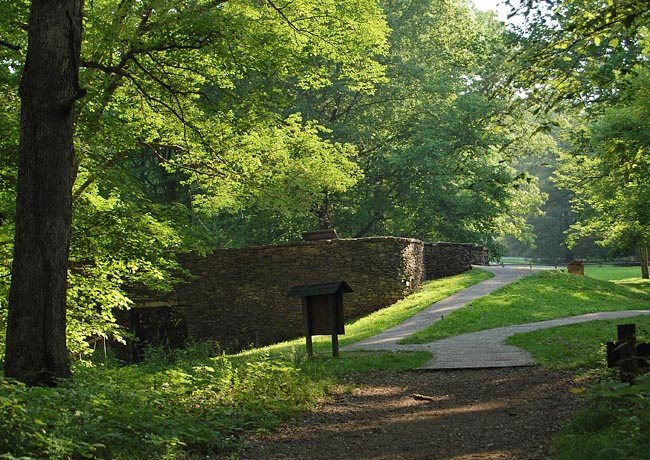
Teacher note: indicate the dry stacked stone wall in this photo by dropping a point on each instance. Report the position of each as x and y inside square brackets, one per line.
[448, 259]
[480, 255]
[239, 297]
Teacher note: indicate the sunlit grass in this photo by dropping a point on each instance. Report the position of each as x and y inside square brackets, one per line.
[542, 296]
[612, 273]
[577, 346]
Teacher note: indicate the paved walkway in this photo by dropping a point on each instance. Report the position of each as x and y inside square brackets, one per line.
[484, 349]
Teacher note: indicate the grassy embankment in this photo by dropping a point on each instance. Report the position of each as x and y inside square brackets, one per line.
[553, 294]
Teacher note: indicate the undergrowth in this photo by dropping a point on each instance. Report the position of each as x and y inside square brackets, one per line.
[614, 426]
[156, 409]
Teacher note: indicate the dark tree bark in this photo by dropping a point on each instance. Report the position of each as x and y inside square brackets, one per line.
[36, 351]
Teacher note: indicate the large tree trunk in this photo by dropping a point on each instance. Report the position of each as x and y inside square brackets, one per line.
[36, 351]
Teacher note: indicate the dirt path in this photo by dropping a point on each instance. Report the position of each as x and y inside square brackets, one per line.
[508, 413]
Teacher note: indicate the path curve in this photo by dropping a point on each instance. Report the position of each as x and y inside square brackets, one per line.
[482, 349]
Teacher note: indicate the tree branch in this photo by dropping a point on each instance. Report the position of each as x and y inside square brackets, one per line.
[153, 147]
[378, 217]
[11, 46]
[88, 182]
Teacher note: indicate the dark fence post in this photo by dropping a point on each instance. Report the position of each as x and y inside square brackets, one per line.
[628, 361]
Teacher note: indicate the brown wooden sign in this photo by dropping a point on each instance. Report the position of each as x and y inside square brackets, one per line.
[322, 307]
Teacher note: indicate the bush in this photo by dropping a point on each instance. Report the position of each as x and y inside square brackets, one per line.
[616, 425]
[26, 428]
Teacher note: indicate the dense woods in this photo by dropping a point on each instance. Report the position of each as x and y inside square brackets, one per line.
[204, 124]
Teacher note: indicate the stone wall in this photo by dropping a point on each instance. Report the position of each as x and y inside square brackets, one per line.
[239, 296]
[448, 259]
[480, 255]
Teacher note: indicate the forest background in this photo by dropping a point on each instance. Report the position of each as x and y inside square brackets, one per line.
[210, 124]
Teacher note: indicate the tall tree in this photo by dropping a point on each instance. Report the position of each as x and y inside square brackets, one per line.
[592, 55]
[608, 171]
[36, 349]
[166, 79]
[425, 139]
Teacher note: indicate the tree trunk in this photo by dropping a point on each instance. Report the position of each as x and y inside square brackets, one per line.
[644, 263]
[36, 351]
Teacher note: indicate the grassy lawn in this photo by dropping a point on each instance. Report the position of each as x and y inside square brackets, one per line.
[612, 273]
[582, 346]
[542, 296]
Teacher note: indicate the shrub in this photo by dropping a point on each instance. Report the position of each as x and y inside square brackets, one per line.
[616, 425]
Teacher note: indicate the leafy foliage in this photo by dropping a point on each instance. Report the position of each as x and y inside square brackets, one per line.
[179, 127]
[433, 164]
[588, 61]
[152, 411]
[608, 171]
[615, 425]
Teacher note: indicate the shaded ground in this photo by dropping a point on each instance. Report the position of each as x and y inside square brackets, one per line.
[508, 413]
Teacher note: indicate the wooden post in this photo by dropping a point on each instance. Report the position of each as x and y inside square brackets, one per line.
[310, 348]
[627, 352]
[335, 345]
[335, 300]
[645, 274]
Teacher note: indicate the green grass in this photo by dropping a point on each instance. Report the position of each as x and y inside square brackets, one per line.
[582, 346]
[515, 260]
[612, 273]
[542, 296]
[579, 347]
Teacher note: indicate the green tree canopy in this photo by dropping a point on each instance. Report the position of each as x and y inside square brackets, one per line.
[589, 59]
[182, 97]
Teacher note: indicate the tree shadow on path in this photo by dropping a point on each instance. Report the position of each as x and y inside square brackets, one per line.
[508, 413]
